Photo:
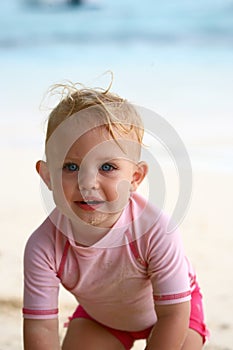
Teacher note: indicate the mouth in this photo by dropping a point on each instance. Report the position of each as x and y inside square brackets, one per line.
[89, 205]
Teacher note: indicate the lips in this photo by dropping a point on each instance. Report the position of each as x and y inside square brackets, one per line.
[89, 205]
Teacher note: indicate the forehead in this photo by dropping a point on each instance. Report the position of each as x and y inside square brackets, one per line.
[76, 141]
[98, 144]
[92, 139]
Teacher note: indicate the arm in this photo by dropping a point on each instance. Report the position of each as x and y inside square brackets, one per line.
[171, 328]
[41, 335]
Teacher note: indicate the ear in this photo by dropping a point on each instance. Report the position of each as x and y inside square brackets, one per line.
[43, 171]
[139, 175]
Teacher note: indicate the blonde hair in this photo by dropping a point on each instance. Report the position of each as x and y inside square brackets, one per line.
[118, 115]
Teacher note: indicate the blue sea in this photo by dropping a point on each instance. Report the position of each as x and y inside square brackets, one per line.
[29, 23]
[173, 56]
[33, 22]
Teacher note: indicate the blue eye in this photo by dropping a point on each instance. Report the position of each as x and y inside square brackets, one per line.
[71, 167]
[107, 167]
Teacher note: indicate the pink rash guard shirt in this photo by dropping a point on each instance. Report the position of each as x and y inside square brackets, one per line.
[118, 279]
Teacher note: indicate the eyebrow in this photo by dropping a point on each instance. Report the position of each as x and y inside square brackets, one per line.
[72, 158]
[103, 159]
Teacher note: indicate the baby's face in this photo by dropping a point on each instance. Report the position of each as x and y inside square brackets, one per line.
[96, 177]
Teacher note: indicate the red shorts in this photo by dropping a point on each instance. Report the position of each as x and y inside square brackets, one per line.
[127, 338]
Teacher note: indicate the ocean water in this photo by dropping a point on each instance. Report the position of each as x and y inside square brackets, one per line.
[171, 22]
[173, 56]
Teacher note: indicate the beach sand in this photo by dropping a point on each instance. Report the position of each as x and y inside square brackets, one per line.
[206, 229]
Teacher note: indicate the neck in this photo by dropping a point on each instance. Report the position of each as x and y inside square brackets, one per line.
[87, 234]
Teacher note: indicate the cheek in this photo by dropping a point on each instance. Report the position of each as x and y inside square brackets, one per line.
[69, 184]
[117, 189]
[110, 189]
[117, 196]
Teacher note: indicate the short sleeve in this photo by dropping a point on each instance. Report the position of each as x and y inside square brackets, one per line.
[167, 266]
[41, 284]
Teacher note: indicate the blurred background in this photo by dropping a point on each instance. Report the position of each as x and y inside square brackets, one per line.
[174, 57]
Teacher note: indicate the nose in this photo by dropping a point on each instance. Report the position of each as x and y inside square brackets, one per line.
[87, 180]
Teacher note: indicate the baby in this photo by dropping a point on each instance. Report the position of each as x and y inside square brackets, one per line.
[104, 242]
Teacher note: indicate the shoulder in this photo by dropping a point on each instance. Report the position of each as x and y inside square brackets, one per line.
[44, 242]
[150, 227]
[146, 216]
[42, 236]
